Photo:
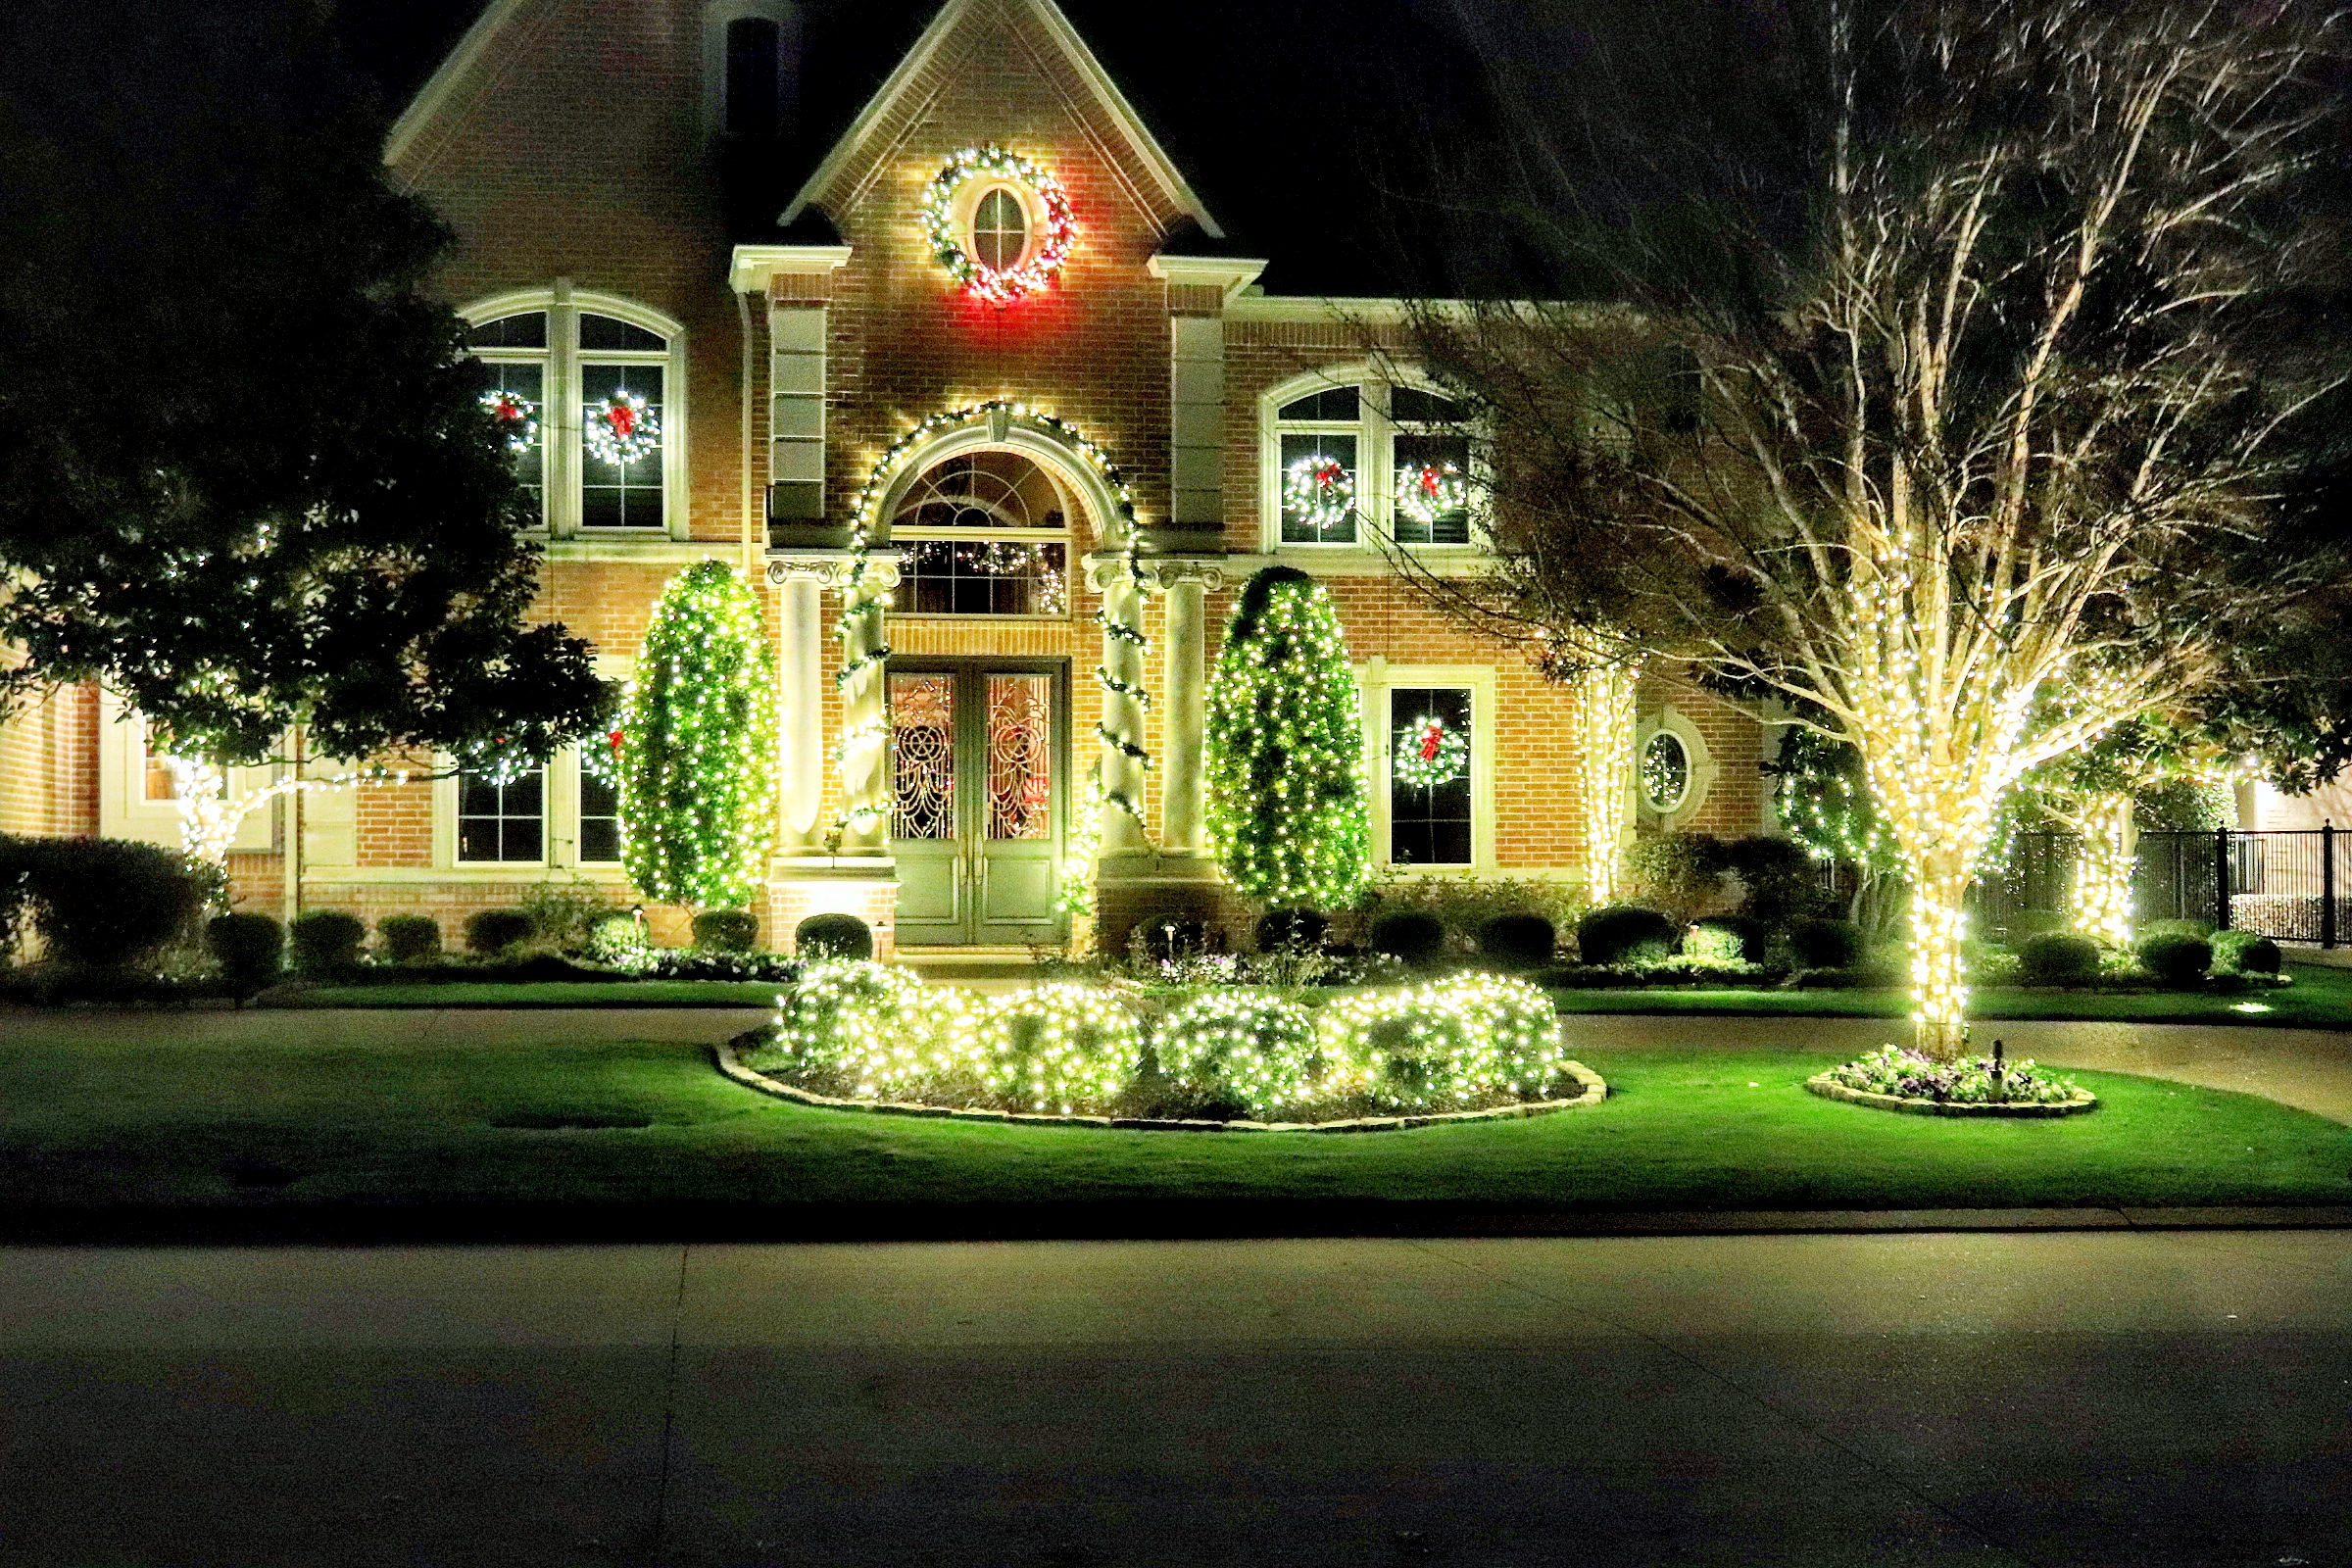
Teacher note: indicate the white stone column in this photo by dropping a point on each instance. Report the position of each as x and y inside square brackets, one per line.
[1183, 804]
[865, 707]
[800, 698]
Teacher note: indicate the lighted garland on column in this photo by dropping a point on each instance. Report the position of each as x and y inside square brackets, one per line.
[1128, 746]
[1285, 749]
[698, 751]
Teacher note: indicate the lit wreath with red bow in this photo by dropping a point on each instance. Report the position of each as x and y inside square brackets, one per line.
[1427, 491]
[999, 285]
[514, 416]
[622, 429]
[1429, 754]
[1318, 491]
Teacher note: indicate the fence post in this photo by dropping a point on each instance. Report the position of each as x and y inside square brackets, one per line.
[2328, 883]
[2220, 879]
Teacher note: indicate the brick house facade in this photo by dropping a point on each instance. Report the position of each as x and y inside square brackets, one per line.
[591, 157]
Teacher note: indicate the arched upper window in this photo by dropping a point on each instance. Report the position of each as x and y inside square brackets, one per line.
[588, 388]
[986, 533]
[1344, 455]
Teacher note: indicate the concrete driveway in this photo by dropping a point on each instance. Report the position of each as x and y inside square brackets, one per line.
[2080, 1398]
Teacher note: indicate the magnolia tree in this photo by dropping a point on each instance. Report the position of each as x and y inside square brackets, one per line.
[1953, 392]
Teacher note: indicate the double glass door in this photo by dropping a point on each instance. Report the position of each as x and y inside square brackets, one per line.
[978, 755]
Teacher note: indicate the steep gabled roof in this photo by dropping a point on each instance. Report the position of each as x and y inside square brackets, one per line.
[852, 156]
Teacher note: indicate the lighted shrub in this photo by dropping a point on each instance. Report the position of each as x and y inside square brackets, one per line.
[617, 939]
[1517, 941]
[325, 942]
[2244, 953]
[726, 930]
[249, 948]
[1624, 934]
[833, 936]
[874, 1032]
[1452, 1043]
[409, 938]
[1416, 938]
[1059, 1048]
[2056, 958]
[1250, 1048]
[493, 931]
[2173, 958]
[1725, 939]
[1826, 944]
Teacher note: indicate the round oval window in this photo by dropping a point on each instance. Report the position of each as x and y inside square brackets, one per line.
[1665, 773]
[1000, 230]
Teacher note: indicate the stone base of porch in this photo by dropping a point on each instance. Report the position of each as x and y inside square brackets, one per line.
[863, 886]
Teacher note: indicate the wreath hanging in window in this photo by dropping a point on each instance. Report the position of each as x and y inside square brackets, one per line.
[997, 285]
[1429, 752]
[622, 429]
[1428, 491]
[1318, 491]
[515, 418]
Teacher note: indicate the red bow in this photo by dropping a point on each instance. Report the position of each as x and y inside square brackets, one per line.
[1429, 482]
[614, 738]
[622, 418]
[1429, 742]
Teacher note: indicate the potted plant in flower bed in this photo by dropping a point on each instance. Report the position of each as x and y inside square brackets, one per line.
[1897, 1078]
[874, 1036]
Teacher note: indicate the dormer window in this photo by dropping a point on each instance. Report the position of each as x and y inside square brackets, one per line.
[1000, 230]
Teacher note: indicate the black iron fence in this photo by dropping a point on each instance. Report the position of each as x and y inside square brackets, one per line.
[2283, 883]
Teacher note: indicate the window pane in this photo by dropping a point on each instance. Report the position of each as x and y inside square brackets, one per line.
[604, 332]
[923, 756]
[1337, 404]
[751, 61]
[1408, 402]
[526, 383]
[1429, 822]
[1665, 773]
[500, 821]
[1433, 489]
[1020, 757]
[999, 231]
[982, 577]
[620, 494]
[1318, 481]
[525, 332]
[600, 817]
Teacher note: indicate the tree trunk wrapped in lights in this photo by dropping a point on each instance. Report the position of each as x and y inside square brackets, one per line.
[1971, 435]
[2101, 897]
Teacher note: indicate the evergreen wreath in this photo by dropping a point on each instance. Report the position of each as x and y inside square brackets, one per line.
[1429, 752]
[1318, 491]
[1427, 491]
[514, 416]
[622, 429]
[997, 286]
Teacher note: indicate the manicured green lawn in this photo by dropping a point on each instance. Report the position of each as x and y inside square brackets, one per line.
[540, 994]
[215, 1127]
[2320, 999]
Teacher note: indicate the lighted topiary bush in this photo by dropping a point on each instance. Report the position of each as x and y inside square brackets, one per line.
[875, 1032]
[325, 942]
[726, 930]
[1449, 1043]
[617, 939]
[1247, 1047]
[1623, 934]
[409, 938]
[1059, 1048]
[2056, 958]
[2244, 953]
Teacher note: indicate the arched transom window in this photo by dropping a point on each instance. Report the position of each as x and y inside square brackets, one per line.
[986, 533]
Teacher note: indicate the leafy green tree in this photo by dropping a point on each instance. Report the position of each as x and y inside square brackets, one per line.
[246, 478]
[1287, 811]
[698, 746]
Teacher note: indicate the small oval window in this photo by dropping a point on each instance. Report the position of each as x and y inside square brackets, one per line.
[999, 231]
[1665, 773]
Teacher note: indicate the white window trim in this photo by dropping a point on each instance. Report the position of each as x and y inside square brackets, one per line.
[1375, 679]
[445, 827]
[1375, 457]
[1704, 769]
[126, 813]
[562, 410]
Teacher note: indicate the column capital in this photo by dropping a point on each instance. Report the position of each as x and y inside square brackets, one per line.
[1154, 574]
[830, 568]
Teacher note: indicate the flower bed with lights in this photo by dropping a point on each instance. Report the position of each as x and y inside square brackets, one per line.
[868, 1036]
[1894, 1078]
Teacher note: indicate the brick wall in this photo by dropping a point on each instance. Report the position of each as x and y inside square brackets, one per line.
[49, 766]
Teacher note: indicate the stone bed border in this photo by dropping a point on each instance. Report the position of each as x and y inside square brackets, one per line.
[730, 1062]
[1821, 1085]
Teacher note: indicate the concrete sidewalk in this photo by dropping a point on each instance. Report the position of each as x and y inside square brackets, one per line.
[2153, 1399]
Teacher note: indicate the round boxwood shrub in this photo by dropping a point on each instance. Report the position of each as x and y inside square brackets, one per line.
[107, 904]
[1725, 939]
[726, 930]
[2197, 930]
[1517, 941]
[2175, 959]
[1057, 1047]
[1824, 944]
[1278, 929]
[833, 936]
[2244, 953]
[1624, 934]
[1249, 1049]
[409, 938]
[1417, 937]
[325, 942]
[250, 948]
[1448, 1044]
[2056, 958]
[494, 931]
[875, 1031]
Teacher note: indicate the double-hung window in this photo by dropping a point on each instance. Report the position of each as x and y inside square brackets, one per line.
[587, 390]
[1348, 461]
